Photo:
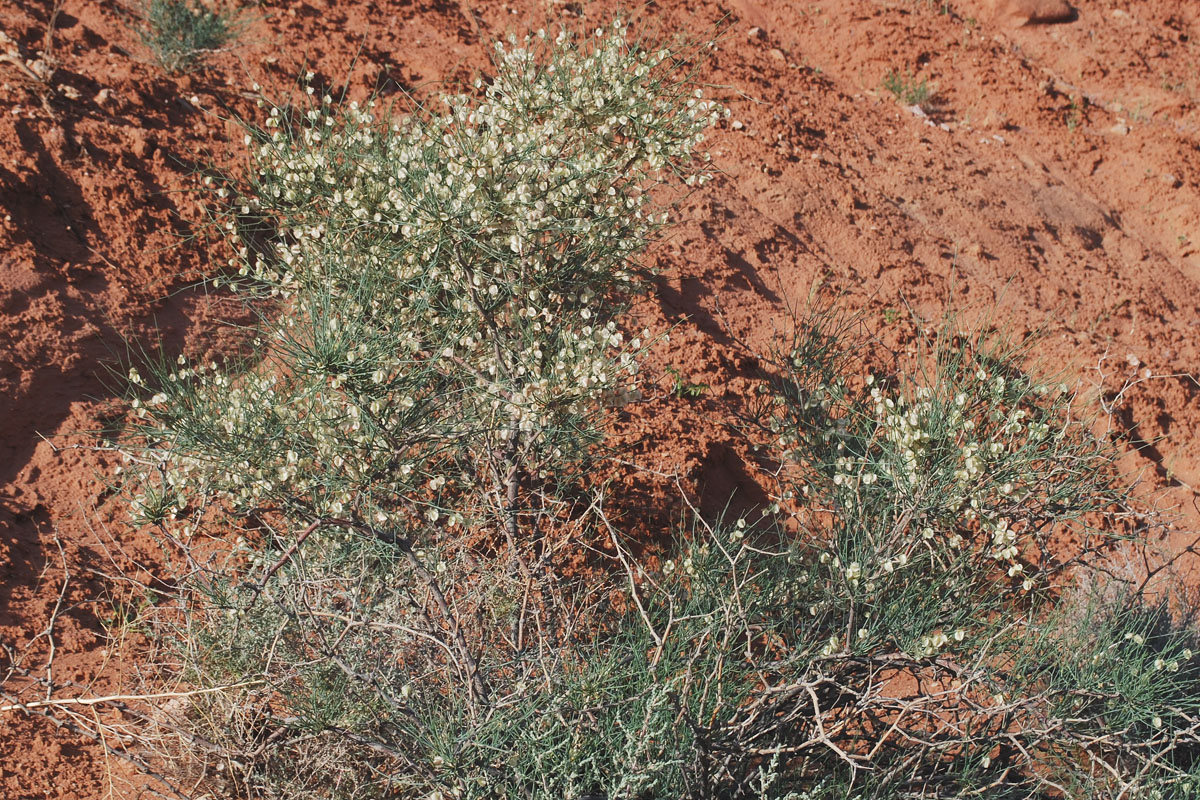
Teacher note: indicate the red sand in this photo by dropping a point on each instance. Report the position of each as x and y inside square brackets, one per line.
[1053, 182]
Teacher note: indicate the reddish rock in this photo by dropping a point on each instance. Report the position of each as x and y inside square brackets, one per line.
[1015, 13]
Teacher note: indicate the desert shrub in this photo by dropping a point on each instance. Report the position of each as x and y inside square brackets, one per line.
[372, 603]
[983, 486]
[180, 33]
[841, 644]
[730, 673]
[451, 281]
[437, 349]
[988, 462]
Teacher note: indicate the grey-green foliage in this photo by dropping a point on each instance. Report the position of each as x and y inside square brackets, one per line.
[1122, 669]
[727, 686]
[436, 350]
[960, 444]
[838, 649]
[181, 33]
[440, 289]
[974, 477]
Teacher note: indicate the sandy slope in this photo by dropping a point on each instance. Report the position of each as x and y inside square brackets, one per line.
[1053, 183]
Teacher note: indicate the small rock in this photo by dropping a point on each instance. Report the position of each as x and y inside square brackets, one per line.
[103, 96]
[1030, 162]
[56, 137]
[737, 125]
[1170, 180]
[1031, 12]
[142, 145]
[1120, 129]
[757, 33]
[993, 119]
[776, 54]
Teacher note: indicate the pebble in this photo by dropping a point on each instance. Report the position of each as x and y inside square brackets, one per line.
[142, 145]
[737, 125]
[1120, 129]
[1170, 180]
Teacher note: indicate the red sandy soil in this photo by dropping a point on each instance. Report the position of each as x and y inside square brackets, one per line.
[1053, 183]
